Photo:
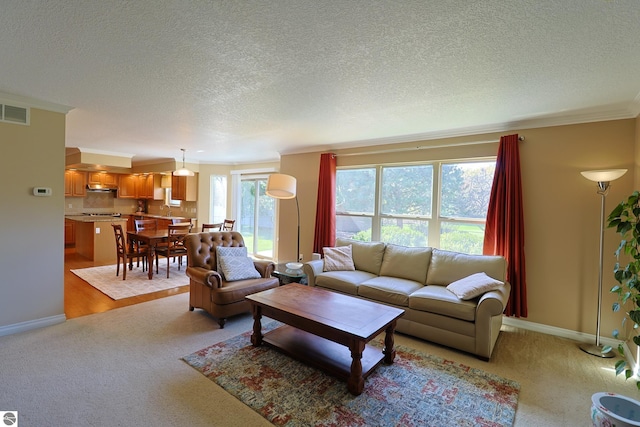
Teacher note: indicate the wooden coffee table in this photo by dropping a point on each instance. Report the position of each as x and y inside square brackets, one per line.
[319, 324]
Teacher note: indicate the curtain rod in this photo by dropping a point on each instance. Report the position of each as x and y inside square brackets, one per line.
[424, 147]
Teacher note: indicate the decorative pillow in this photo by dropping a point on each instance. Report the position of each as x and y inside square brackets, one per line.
[238, 268]
[230, 251]
[338, 259]
[474, 285]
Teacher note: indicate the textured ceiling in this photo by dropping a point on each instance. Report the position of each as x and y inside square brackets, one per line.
[242, 81]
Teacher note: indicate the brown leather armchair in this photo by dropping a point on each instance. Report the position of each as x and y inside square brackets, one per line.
[208, 290]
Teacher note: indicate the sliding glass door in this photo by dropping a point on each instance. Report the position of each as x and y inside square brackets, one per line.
[257, 212]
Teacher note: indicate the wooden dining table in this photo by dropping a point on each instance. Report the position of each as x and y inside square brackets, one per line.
[151, 238]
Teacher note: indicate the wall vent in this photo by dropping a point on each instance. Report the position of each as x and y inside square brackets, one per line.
[13, 114]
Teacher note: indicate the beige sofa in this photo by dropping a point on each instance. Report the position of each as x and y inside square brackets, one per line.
[416, 279]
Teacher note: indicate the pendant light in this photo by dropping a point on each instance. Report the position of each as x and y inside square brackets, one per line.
[183, 171]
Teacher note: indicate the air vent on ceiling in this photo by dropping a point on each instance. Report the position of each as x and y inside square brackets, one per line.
[13, 114]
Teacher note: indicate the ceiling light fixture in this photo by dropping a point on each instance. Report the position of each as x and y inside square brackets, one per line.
[183, 171]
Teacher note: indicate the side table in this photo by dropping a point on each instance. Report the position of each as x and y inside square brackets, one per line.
[286, 275]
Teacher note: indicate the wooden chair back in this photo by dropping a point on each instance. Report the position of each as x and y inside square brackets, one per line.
[146, 224]
[213, 227]
[228, 224]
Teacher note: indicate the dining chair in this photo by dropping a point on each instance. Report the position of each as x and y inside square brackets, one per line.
[146, 224]
[227, 225]
[174, 247]
[125, 254]
[212, 227]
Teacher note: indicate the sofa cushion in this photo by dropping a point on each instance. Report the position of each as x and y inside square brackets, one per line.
[437, 299]
[343, 281]
[338, 259]
[367, 256]
[406, 263]
[474, 285]
[447, 267]
[391, 290]
[234, 292]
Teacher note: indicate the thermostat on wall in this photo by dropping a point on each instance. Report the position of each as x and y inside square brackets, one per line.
[41, 191]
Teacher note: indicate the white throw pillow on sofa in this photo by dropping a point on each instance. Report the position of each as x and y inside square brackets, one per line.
[474, 285]
[338, 258]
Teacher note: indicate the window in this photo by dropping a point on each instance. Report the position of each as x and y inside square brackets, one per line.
[218, 211]
[257, 217]
[440, 204]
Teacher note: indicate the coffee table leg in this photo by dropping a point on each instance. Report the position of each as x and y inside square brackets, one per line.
[355, 384]
[256, 336]
[389, 351]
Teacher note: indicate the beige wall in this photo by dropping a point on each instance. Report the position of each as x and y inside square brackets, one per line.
[32, 228]
[562, 210]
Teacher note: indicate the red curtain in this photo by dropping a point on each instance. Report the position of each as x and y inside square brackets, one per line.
[504, 232]
[325, 232]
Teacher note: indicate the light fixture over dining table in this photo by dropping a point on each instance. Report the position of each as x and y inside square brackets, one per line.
[183, 171]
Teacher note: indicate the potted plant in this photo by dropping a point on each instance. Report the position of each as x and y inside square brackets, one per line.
[626, 219]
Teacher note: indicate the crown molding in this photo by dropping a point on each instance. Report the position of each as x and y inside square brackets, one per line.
[27, 102]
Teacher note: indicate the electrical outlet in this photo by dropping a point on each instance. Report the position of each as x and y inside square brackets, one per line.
[97, 230]
[70, 206]
[300, 257]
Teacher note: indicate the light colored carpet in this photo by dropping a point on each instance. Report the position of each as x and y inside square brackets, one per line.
[123, 367]
[137, 283]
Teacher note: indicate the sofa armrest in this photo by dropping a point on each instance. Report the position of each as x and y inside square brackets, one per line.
[493, 302]
[207, 277]
[265, 268]
[312, 269]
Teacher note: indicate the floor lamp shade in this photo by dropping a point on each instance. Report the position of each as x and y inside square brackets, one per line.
[281, 186]
[602, 178]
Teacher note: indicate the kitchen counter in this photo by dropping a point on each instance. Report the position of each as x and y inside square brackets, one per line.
[89, 218]
[95, 239]
[136, 214]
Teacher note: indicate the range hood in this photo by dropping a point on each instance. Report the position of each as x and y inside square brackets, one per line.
[101, 188]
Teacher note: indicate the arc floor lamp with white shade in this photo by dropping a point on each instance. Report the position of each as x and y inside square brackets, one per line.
[282, 186]
[603, 178]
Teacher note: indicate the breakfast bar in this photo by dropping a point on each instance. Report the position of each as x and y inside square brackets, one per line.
[94, 237]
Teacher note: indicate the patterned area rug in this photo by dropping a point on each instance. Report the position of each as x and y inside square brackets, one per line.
[417, 390]
[105, 280]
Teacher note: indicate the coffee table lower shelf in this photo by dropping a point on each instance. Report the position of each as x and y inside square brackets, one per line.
[333, 358]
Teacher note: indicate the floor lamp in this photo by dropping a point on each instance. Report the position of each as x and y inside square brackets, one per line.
[603, 178]
[281, 186]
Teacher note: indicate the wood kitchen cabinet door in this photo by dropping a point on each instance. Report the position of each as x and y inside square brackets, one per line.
[69, 232]
[103, 178]
[184, 188]
[127, 187]
[75, 183]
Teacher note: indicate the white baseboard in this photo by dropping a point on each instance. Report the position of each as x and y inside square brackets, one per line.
[573, 335]
[31, 324]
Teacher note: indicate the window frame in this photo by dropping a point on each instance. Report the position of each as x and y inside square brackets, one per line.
[434, 221]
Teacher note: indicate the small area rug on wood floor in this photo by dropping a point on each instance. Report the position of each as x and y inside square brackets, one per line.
[416, 390]
[105, 280]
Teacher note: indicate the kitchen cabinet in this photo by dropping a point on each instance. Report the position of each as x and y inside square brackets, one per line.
[184, 188]
[102, 178]
[146, 186]
[127, 187]
[75, 183]
[69, 232]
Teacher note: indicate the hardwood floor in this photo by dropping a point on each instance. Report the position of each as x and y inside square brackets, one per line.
[80, 298]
